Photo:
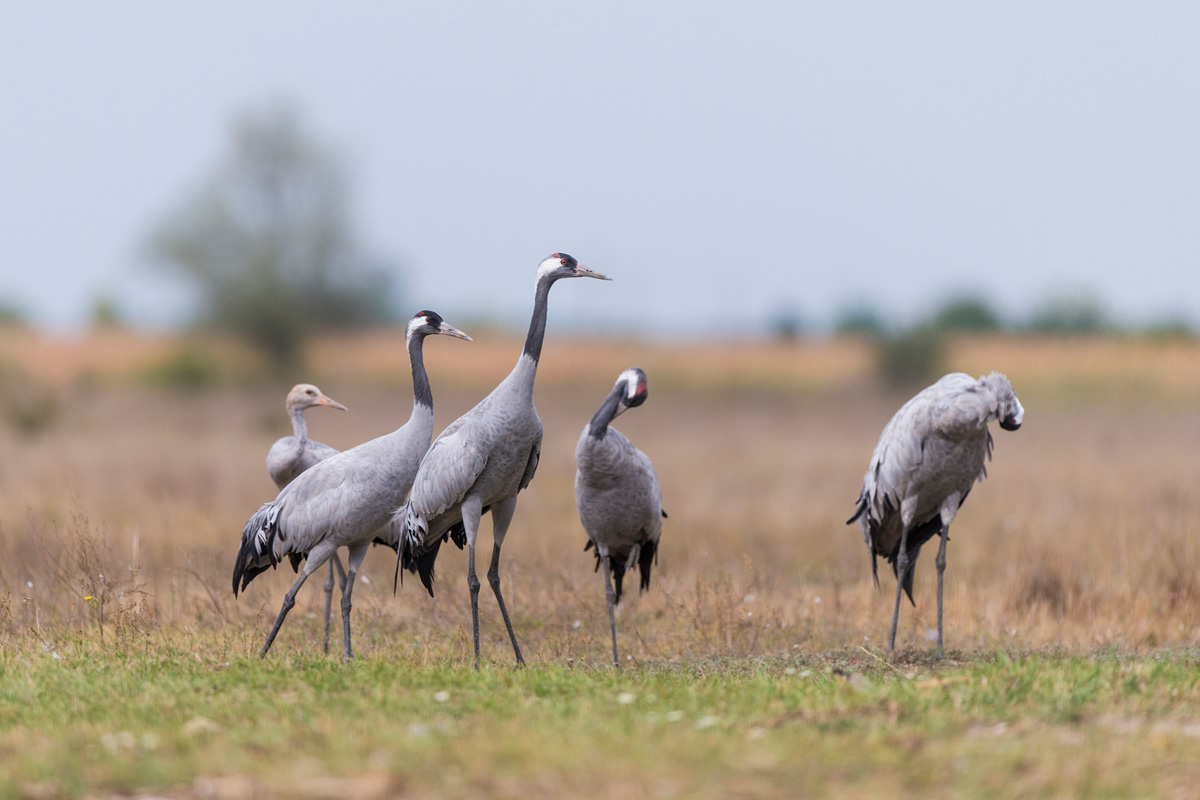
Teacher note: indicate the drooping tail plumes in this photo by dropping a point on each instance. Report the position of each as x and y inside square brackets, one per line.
[256, 553]
[645, 554]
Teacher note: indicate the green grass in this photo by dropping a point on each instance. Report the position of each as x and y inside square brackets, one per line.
[189, 718]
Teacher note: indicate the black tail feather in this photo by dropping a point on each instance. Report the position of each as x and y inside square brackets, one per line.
[648, 557]
[423, 565]
[618, 571]
[248, 564]
[917, 538]
[379, 540]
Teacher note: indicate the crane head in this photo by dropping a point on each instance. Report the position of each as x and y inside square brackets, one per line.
[635, 390]
[305, 395]
[1009, 410]
[561, 265]
[429, 323]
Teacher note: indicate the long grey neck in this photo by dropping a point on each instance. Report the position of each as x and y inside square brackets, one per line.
[537, 325]
[299, 427]
[422, 394]
[608, 410]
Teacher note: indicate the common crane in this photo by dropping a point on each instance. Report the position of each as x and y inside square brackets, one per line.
[481, 461]
[616, 491]
[291, 455]
[343, 500]
[929, 456]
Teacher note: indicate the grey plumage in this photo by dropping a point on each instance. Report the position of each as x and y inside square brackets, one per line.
[616, 491]
[480, 463]
[291, 455]
[929, 456]
[343, 500]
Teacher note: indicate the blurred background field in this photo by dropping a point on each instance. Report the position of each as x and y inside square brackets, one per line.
[1084, 536]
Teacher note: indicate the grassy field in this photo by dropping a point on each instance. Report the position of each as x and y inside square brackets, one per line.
[754, 664]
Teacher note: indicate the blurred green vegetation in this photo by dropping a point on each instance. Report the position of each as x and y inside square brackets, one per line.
[267, 242]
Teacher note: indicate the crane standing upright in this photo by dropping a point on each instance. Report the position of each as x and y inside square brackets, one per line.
[481, 461]
[343, 500]
[291, 455]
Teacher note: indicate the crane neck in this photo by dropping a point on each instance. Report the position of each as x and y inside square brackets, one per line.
[537, 325]
[299, 426]
[422, 394]
[607, 411]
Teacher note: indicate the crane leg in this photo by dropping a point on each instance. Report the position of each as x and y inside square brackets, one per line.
[473, 585]
[901, 571]
[354, 561]
[610, 595]
[940, 562]
[494, 580]
[472, 509]
[334, 562]
[289, 600]
[502, 514]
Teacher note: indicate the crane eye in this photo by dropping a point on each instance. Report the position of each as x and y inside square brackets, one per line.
[563, 262]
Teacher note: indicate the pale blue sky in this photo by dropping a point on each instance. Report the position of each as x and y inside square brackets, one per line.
[721, 162]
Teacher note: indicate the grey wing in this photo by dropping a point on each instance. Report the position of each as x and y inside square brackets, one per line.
[655, 526]
[896, 459]
[321, 500]
[281, 463]
[448, 471]
[644, 491]
[535, 456]
[318, 451]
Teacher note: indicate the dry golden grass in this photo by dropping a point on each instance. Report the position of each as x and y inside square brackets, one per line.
[1083, 537]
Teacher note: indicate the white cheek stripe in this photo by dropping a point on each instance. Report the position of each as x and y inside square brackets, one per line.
[413, 324]
[547, 266]
[632, 379]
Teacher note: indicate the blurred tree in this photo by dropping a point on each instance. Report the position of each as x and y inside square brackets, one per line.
[969, 314]
[1070, 314]
[106, 314]
[1170, 329]
[267, 242]
[859, 319]
[11, 315]
[786, 324]
[916, 356]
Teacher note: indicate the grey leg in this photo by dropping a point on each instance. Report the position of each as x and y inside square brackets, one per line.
[473, 585]
[502, 514]
[357, 554]
[611, 596]
[901, 571]
[334, 562]
[472, 509]
[494, 580]
[941, 569]
[289, 600]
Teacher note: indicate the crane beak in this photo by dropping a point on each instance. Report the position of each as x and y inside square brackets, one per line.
[583, 272]
[325, 400]
[450, 330]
